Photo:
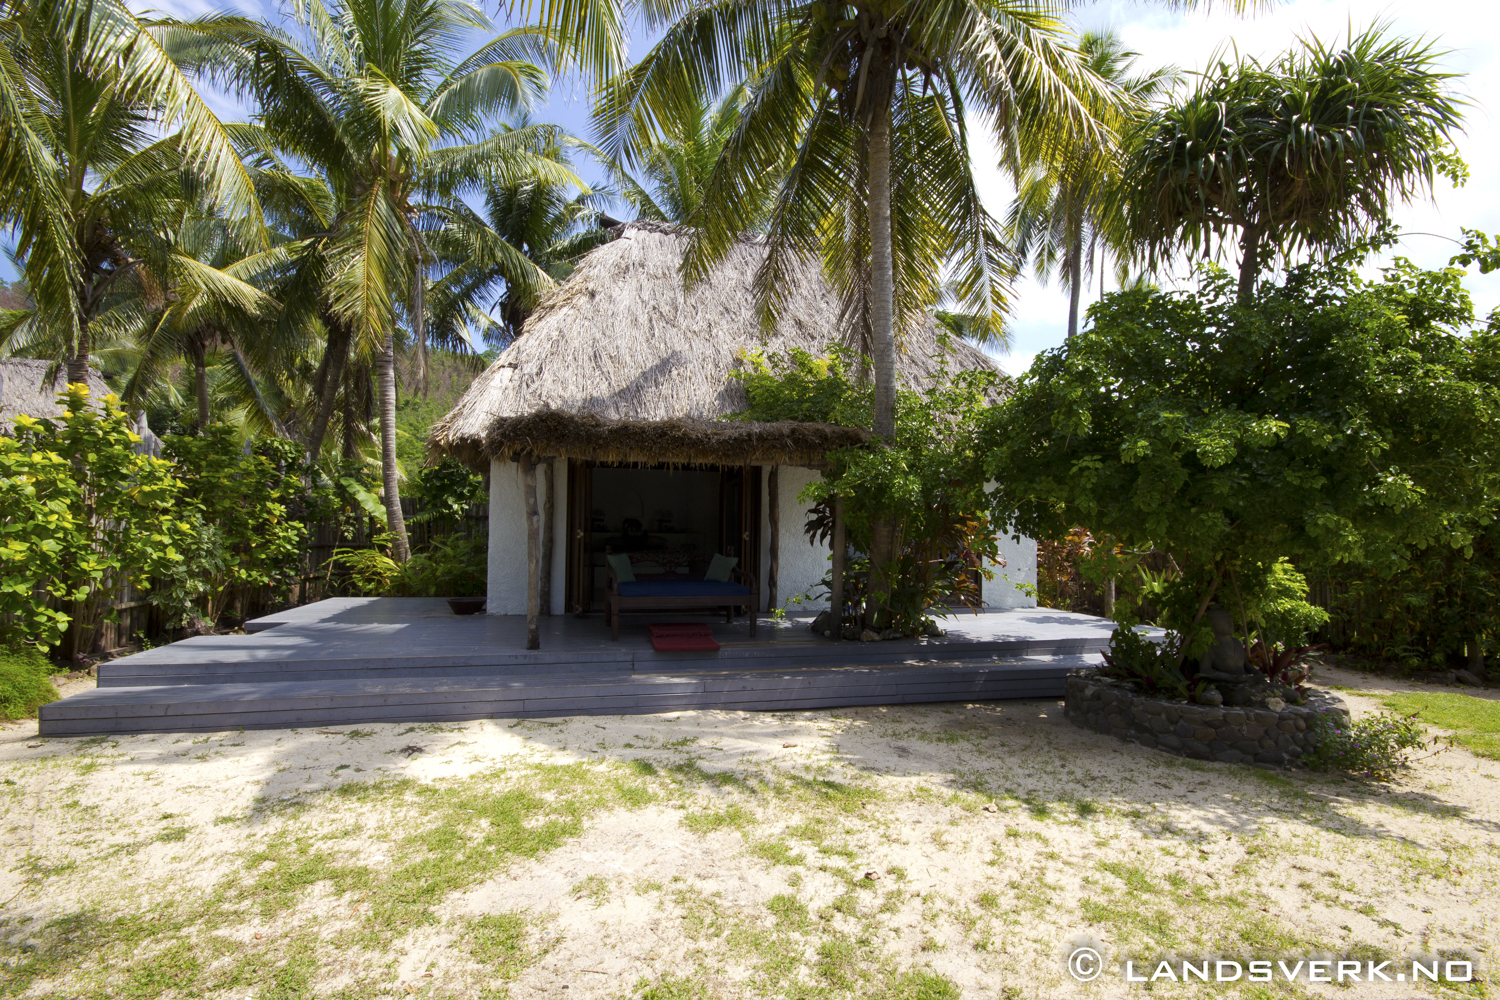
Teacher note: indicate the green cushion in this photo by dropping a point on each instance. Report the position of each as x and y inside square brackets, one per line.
[620, 563]
[718, 569]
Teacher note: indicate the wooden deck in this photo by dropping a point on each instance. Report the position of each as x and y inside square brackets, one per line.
[351, 660]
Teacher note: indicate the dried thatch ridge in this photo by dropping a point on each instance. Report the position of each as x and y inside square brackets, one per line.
[621, 364]
[24, 389]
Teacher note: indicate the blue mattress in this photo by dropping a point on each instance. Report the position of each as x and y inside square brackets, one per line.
[683, 588]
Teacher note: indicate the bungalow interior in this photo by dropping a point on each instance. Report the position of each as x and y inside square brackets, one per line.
[683, 515]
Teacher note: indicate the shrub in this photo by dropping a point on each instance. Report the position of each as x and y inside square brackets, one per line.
[450, 566]
[1373, 747]
[927, 482]
[371, 571]
[25, 682]
[1153, 668]
[81, 513]
[237, 500]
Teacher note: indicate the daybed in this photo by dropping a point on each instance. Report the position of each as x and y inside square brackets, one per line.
[676, 592]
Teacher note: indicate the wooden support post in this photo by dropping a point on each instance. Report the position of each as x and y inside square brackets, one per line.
[773, 497]
[533, 554]
[549, 530]
[836, 598]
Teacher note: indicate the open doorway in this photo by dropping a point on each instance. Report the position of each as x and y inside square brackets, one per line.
[671, 519]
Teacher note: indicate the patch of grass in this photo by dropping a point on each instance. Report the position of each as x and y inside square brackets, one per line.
[691, 770]
[1474, 722]
[838, 962]
[733, 817]
[173, 969]
[173, 834]
[25, 682]
[595, 887]
[777, 852]
[285, 867]
[498, 941]
[1133, 876]
[670, 987]
[790, 912]
[923, 984]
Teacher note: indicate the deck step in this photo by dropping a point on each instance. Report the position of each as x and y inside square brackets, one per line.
[288, 704]
[219, 662]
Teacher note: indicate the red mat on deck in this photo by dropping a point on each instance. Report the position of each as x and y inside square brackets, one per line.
[673, 637]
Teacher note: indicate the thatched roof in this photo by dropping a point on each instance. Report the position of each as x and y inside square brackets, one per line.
[621, 364]
[24, 388]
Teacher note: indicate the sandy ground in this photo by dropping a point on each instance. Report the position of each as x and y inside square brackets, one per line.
[933, 852]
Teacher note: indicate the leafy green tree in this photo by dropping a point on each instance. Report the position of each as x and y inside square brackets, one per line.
[1310, 150]
[239, 501]
[103, 141]
[377, 99]
[199, 324]
[1065, 202]
[82, 513]
[1334, 421]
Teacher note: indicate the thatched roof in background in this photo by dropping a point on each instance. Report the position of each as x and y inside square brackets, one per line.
[621, 364]
[24, 388]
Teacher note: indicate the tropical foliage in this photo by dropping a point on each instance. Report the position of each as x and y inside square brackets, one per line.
[1336, 421]
[1069, 200]
[1309, 150]
[928, 481]
[83, 512]
[244, 535]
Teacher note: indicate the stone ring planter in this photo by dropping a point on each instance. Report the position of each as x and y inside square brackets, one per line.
[1233, 735]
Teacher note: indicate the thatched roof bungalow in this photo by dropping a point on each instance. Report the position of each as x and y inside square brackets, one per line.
[620, 382]
[25, 388]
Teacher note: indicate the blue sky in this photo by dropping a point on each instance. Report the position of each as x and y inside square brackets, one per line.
[1163, 36]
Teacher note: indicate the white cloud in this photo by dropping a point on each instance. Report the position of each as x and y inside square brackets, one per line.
[1188, 40]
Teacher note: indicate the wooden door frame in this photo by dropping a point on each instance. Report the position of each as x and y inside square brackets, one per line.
[580, 519]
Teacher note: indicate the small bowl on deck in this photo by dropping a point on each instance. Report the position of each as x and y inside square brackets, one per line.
[466, 605]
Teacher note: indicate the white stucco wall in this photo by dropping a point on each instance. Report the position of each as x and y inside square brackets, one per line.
[507, 556]
[507, 570]
[802, 564]
[1019, 555]
[1020, 567]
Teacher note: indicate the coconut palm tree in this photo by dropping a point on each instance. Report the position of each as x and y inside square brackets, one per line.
[1062, 203]
[103, 141]
[675, 166]
[199, 326]
[863, 108]
[376, 99]
[1310, 150]
[551, 223]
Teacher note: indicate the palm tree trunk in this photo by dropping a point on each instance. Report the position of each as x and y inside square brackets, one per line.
[385, 373]
[419, 322]
[78, 364]
[1075, 286]
[1249, 263]
[882, 332]
[882, 272]
[200, 386]
[335, 357]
